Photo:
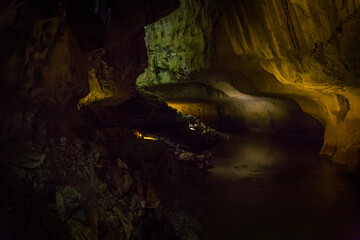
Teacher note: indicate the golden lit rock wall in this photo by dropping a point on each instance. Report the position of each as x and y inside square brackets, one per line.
[180, 46]
[312, 48]
[305, 50]
[257, 114]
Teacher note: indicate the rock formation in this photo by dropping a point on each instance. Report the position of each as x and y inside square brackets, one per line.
[60, 178]
[304, 51]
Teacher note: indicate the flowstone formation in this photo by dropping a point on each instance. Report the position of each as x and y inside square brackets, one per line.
[266, 57]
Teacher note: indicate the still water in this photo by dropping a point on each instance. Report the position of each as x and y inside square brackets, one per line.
[265, 189]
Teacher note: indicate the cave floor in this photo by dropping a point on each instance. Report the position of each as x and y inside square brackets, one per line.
[264, 188]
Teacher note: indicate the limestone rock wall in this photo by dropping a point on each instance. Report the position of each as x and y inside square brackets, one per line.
[311, 47]
[181, 48]
[306, 51]
[180, 43]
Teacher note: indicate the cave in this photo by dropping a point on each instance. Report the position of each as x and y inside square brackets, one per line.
[180, 119]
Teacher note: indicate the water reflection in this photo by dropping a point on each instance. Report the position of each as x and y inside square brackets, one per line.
[263, 188]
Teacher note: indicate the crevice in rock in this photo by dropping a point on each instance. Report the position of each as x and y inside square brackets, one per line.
[290, 25]
[344, 105]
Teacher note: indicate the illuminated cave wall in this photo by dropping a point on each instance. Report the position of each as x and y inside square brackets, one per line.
[181, 48]
[312, 49]
[306, 51]
[180, 43]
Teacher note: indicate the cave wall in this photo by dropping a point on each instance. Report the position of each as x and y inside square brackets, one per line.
[37, 50]
[306, 51]
[182, 70]
[311, 47]
[58, 176]
[180, 43]
[57, 56]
